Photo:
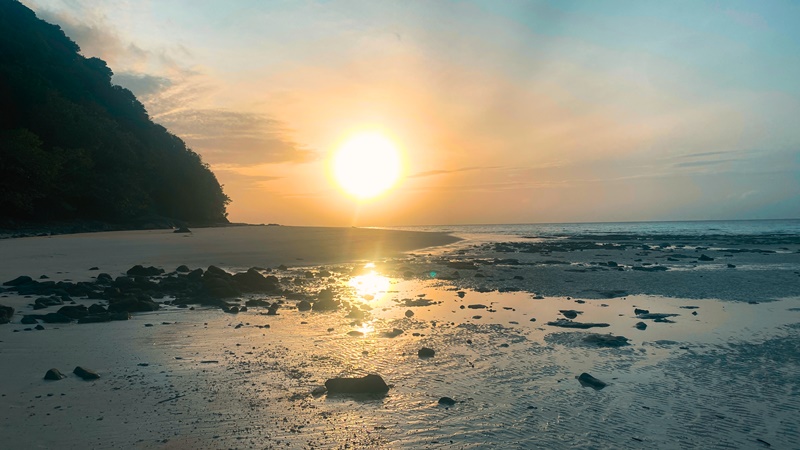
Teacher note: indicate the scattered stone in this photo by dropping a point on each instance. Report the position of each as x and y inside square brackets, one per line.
[141, 271]
[447, 401]
[655, 316]
[426, 352]
[318, 390]
[641, 326]
[409, 313]
[564, 323]
[477, 306]
[731, 266]
[705, 257]
[303, 305]
[74, 312]
[394, 333]
[587, 380]
[183, 269]
[638, 311]
[28, 320]
[6, 312]
[369, 384]
[461, 294]
[54, 375]
[86, 374]
[94, 268]
[606, 340]
[570, 313]
[38, 327]
[325, 301]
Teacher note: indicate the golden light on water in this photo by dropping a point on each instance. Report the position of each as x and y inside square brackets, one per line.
[371, 287]
[367, 165]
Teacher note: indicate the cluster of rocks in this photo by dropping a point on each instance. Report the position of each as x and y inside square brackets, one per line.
[141, 287]
[81, 372]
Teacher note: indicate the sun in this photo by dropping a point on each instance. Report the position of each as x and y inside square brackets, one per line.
[367, 165]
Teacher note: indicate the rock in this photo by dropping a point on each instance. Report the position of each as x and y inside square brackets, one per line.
[570, 313]
[705, 257]
[655, 316]
[394, 333]
[182, 229]
[253, 281]
[426, 352]
[38, 327]
[303, 305]
[97, 309]
[86, 374]
[141, 271]
[641, 326]
[132, 304]
[44, 302]
[74, 312]
[564, 323]
[447, 401]
[606, 340]
[257, 303]
[369, 384]
[731, 266]
[19, 281]
[325, 301]
[182, 269]
[651, 268]
[409, 313]
[52, 318]
[638, 311]
[6, 312]
[318, 390]
[54, 374]
[94, 268]
[461, 294]
[587, 380]
[95, 318]
[231, 309]
[28, 320]
[477, 306]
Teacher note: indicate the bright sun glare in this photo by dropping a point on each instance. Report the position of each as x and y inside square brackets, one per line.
[367, 165]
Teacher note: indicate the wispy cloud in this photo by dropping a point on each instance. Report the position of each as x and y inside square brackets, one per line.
[431, 173]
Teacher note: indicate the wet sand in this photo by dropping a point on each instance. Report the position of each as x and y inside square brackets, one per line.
[725, 377]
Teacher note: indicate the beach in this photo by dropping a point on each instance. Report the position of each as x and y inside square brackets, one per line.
[692, 340]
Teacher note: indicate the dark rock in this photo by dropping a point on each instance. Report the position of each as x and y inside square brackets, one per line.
[253, 281]
[86, 374]
[426, 352]
[96, 318]
[606, 340]
[655, 316]
[141, 271]
[394, 333]
[45, 302]
[28, 320]
[570, 313]
[38, 327]
[731, 266]
[52, 318]
[54, 374]
[231, 309]
[638, 311]
[6, 312]
[303, 305]
[104, 278]
[325, 301]
[476, 306]
[132, 304]
[120, 315]
[74, 312]
[409, 313]
[641, 326]
[273, 309]
[97, 309]
[651, 268]
[182, 269]
[369, 384]
[19, 281]
[461, 294]
[587, 380]
[94, 268]
[564, 323]
[447, 401]
[705, 257]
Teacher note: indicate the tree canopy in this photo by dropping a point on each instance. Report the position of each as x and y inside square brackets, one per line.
[75, 146]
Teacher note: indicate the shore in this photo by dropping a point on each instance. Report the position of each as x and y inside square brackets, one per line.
[694, 354]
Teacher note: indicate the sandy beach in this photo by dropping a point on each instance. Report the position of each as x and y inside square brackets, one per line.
[698, 354]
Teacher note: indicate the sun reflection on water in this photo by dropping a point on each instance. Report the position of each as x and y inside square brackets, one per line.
[371, 286]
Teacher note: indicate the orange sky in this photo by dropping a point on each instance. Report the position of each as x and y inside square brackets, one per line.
[518, 112]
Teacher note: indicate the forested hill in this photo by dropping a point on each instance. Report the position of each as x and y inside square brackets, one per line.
[73, 146]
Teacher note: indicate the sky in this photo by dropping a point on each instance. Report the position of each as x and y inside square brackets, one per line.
[504, 112]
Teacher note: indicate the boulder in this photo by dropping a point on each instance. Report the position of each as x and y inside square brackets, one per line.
[28, 320]
[141, 271]
[44, 302]
[409, 313]
[369, 384]
[52, 318]
[97, 309]
[587, 380]
[426, 352]
[54, 374]
[19, 281]
[606, 340]
[303, 305]
[74, 311]
[705, 257]
[641, 326]
[6, 312]
[132, 304]
[325, 301]
[182, 269]
[86, 374]
[570, 313]
[563, 323]
[447, 401]
[253, 281]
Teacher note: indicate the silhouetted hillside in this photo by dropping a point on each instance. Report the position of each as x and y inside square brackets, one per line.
[73, 146]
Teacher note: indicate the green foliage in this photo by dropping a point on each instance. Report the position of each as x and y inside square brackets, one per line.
[75, 146]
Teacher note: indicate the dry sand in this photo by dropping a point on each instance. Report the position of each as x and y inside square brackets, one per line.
[726, 377]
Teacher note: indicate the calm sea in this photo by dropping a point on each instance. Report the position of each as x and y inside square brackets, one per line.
[559, 230]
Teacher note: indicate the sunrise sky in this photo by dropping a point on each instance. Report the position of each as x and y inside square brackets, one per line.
[504, 112]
